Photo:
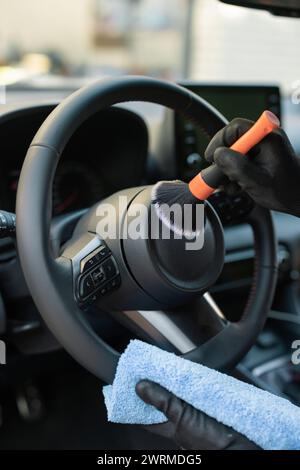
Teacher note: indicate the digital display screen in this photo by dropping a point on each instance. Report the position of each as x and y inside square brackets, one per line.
[232, 101]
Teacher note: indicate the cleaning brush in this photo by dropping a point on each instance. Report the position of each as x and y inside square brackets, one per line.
[165, 194]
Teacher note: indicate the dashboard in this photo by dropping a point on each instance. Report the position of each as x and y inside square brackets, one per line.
[107, 153]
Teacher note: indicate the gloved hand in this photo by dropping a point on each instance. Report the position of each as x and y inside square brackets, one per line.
[189, 428]
[270, 174]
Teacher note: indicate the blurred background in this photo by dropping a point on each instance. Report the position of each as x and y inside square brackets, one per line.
[51, 40]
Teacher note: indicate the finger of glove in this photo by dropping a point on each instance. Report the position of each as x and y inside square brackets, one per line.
[238, 168]
[227, 136]
[278, 144]
[155, 395]
[231, 188]
[166, 430]
[203, 432]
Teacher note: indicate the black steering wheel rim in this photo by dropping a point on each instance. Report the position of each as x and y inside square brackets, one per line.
[48, 279]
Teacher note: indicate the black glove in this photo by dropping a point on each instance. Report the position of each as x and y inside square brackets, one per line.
[189, 428]
[271, 172]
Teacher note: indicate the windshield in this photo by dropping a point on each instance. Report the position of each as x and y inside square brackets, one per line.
[198, 39]
[92, 38]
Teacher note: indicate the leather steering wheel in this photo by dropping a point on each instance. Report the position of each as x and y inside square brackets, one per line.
[149, 284]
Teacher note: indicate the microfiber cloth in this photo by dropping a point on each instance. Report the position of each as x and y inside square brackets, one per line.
[273, 423]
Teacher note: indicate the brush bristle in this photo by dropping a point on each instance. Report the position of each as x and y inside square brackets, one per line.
[165, 194]
[172, 192]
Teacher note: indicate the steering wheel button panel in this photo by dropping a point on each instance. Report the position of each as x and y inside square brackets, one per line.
[89, 264]
[111, 285]
[86, 286]
[103, 253]
[116, 282]
[98, 274]
[94, 258]
[110, 268]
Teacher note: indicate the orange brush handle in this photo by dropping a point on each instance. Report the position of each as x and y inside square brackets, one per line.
[201, 185]
[265, 124]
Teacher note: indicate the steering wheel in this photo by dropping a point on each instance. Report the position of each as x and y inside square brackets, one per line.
[156, 287]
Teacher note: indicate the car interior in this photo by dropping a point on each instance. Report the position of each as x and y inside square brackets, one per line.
[50, 394]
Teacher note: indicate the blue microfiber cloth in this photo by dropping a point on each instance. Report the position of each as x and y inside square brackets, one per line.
[269, 421]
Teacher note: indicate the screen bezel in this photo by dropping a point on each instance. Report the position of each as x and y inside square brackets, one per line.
[278, 10]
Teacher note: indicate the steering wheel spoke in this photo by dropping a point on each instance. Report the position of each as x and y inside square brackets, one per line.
[178, 330]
